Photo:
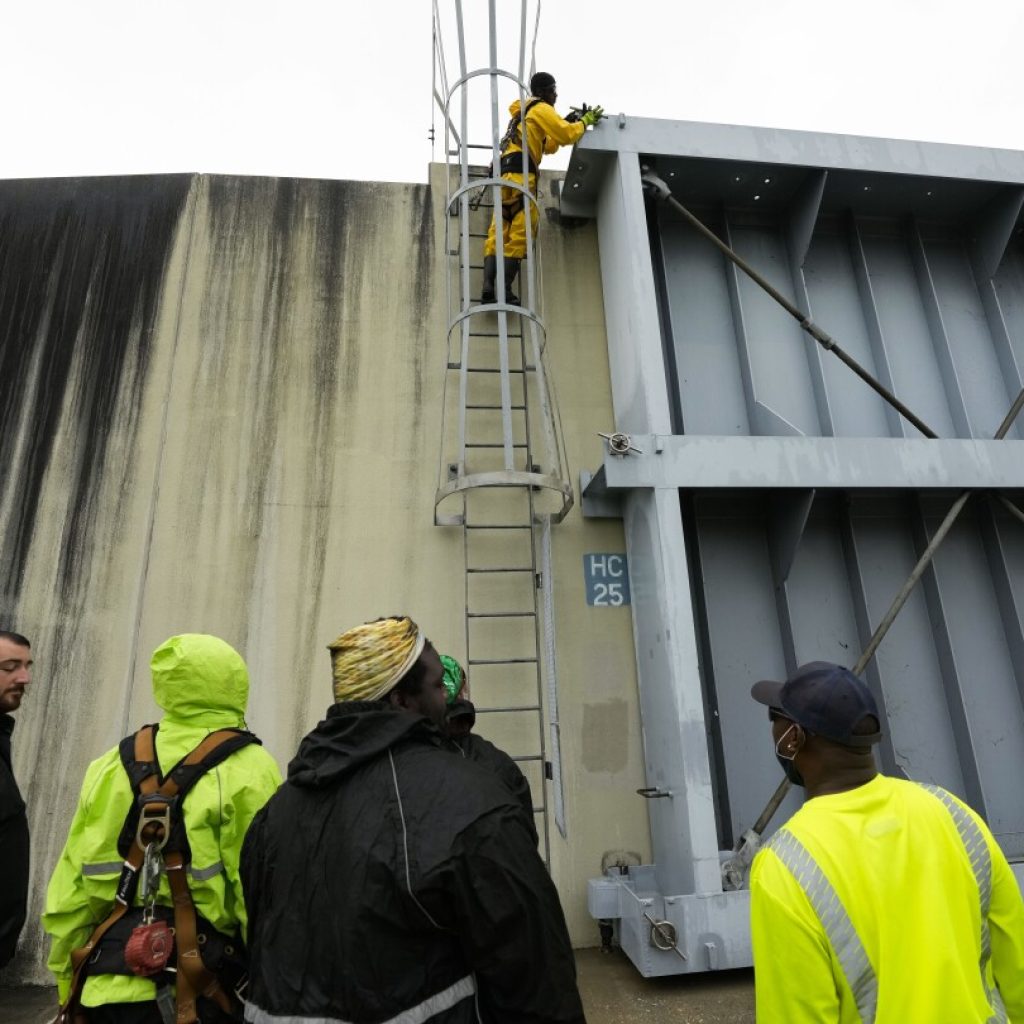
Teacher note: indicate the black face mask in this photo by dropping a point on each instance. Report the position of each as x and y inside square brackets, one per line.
[788, 764]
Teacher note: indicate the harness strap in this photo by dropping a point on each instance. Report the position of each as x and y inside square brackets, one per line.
[511, 209]
[193, 977]
[513, 162]
[158, 797]
[147, 774]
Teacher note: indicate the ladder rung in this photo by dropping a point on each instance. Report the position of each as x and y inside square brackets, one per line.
[502, 568]
[499, 615]
[501, 661]
[495, 334]
[496, 526]
[492, 444]
[484, 370]
[498, 711]
[514, 408]
[528, 757]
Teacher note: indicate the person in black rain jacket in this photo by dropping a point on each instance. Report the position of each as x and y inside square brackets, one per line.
[15, 676]
[391, 879]
[461, 719]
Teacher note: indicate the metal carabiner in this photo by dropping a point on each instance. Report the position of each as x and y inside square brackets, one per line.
[154, 819]
[149, 881]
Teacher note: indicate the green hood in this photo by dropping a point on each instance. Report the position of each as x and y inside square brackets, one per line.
[200, 680]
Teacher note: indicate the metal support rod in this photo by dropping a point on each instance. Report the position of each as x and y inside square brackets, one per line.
[658, 186]
[898, 602]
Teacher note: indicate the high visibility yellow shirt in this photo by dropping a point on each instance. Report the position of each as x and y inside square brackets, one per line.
[867, 906]
[202, 685]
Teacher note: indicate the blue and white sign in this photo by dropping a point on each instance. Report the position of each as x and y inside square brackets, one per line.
[606, 579]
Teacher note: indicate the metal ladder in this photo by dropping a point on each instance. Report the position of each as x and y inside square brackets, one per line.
[499, 520]
[503, 475]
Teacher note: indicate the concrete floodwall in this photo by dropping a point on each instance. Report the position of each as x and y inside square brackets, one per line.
[220, 401]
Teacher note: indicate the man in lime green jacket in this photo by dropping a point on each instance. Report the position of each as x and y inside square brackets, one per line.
[202, 685]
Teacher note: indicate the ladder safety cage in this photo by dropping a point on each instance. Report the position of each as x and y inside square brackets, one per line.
[503, 474]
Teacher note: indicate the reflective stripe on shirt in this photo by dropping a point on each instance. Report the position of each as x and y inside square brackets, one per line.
[980, 857]
[839, 930]
[419, 1014]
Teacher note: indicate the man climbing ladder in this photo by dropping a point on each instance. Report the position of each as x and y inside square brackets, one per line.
[546, 131]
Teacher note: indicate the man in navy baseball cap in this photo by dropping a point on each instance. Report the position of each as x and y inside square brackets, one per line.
[826, 700]
[880, 898]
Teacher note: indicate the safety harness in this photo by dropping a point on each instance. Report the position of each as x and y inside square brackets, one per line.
[154, 826]
[512, 163]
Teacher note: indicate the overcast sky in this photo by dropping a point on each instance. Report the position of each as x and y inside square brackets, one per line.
[343, 89]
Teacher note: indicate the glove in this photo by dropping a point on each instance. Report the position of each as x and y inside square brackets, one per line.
[592, 116]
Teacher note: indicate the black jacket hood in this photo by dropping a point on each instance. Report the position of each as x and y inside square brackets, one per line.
[353, 733]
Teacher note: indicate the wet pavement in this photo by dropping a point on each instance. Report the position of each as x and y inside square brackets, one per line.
[613, 993]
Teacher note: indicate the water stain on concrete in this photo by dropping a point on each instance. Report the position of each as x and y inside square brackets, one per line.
[606, 736]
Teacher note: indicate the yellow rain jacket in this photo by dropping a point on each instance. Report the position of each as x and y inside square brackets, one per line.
[202, 685]
[867, 907]
[545, 132]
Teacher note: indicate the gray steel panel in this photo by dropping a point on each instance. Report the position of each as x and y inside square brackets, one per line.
[778, 358]
[1011, 539]
[824, 621]
[898, 425]
[974, 357]
[1009, 287]
[703, 335]
[745, 644]
[906, 666]
[834, 300]
[917, 378]
[995, 715]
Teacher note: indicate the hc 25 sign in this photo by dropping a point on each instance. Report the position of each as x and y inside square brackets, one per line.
[606, 579]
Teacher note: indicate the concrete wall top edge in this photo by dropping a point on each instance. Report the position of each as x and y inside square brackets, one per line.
[67, 181]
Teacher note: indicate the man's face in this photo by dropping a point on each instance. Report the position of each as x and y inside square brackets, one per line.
[15, 674]
[432, 700]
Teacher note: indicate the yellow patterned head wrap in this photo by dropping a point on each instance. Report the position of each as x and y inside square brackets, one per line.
[367, 662]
